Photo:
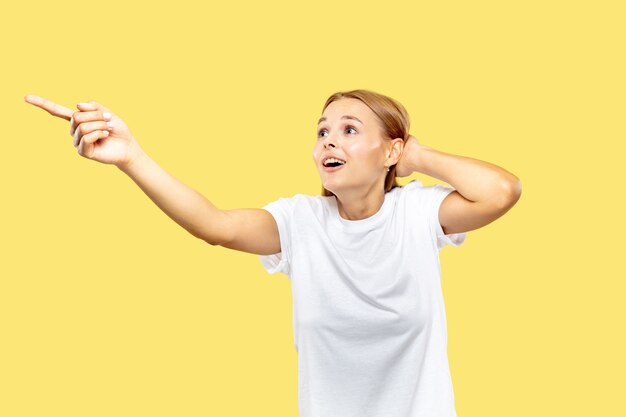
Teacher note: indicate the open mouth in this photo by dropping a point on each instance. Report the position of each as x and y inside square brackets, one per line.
[333, 162]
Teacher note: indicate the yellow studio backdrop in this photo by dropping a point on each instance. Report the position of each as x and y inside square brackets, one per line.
[109, 308]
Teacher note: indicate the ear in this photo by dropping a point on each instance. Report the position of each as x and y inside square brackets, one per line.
[394, 151]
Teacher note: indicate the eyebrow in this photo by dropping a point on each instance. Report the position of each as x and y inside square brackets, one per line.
[347, 116]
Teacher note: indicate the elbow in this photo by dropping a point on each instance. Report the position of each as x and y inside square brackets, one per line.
[511, 192]
[218, 232]
[213, 241]
[210, 238]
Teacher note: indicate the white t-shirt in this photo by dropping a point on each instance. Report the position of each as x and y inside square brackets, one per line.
[369, 319]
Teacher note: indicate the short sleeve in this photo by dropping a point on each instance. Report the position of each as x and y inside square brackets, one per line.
[282, 211]
[436, 194]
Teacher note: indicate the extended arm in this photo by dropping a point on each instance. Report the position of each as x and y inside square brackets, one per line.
[99, 134]
[249, 230]
[180, 202]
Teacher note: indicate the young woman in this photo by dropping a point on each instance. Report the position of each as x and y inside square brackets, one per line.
[362, 258]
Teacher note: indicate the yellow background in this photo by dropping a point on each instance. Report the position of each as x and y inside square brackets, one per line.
[109, 308]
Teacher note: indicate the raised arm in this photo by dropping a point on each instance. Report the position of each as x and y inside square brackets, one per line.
[250, 229]
[483, 191]
[100, 135]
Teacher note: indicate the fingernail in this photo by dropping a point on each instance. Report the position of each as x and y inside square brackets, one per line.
[106, 115]
[110, 125]
[83, 104]
[106, 133]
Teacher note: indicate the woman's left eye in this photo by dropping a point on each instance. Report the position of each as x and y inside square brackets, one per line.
[351, 128]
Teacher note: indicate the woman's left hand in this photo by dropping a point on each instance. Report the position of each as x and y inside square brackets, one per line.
[405, 165]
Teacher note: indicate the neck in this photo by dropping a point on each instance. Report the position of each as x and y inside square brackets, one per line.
[359, 204]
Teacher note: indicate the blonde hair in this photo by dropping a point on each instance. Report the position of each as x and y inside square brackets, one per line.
[393, 117]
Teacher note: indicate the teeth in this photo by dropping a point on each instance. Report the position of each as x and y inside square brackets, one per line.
[330, 160]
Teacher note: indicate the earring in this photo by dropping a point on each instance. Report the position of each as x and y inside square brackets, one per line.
[387, 169]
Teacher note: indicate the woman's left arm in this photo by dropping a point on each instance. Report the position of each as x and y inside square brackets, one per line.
[484, 191]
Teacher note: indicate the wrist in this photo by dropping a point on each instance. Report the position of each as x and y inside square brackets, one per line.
[134, 156]
[418, 158]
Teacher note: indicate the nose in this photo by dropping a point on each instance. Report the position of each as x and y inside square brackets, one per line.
[329, 141]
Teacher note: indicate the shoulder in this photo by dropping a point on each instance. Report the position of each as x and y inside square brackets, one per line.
[421, 198]
[426, 192]
[300, 202]
[410, 191]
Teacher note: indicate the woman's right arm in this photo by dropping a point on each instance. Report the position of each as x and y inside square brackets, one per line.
[100, 135]
[250, 230]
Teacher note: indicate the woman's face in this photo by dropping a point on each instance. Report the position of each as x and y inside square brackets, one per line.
[350, 131]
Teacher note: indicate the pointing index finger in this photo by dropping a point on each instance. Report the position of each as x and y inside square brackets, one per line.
[52, 108]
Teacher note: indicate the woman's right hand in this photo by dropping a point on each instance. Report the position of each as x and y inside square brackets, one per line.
[93, 138]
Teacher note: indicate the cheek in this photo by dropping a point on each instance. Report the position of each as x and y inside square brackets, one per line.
[317, 151]
[367, 154]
